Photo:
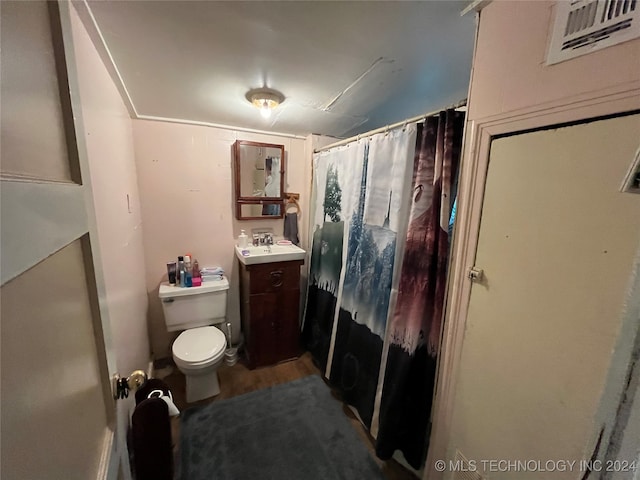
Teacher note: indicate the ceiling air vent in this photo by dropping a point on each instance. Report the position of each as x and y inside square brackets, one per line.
[584, 26]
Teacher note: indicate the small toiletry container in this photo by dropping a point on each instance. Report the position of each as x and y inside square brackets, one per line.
[243, 239]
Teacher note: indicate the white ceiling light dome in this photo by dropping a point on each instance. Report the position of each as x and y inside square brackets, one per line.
[265, 99]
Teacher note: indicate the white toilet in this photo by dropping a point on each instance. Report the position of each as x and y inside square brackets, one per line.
[199, 349]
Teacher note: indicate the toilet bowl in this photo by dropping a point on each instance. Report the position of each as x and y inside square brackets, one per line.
[200, 349]
[198, 353]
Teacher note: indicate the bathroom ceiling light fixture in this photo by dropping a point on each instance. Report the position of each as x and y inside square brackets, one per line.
[266, 99]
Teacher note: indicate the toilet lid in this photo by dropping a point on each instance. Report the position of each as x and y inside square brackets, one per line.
[199, 344]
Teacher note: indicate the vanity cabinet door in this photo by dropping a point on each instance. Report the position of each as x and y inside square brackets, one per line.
[270, 313]
[262, 343]
[288, 325]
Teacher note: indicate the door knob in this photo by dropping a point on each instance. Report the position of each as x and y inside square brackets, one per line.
[121, 386]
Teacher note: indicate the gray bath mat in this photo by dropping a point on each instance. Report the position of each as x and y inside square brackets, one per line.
[292, 431]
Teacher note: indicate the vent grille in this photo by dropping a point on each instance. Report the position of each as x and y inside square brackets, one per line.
[584, 26]
[465, 470]
[631, 182]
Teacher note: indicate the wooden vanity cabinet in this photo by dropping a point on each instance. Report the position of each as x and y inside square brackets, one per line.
[270, 310]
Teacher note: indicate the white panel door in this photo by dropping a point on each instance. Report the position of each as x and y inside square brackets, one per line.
[58, 416]
[557, 244]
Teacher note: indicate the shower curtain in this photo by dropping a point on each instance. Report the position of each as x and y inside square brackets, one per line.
[361, 204]
[370, 198]
[337, 175]
[414, 331]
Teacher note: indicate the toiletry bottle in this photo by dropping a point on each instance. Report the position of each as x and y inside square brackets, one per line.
[243, 239]
[180, 279]
[172, 269]
[196, 278]
[187, 271]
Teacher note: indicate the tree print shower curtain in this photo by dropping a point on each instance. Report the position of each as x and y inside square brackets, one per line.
[372, 247]
[336, 175]
[361, 203]
[358, 313]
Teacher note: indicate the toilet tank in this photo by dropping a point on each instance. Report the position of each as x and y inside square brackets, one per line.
[193, 307]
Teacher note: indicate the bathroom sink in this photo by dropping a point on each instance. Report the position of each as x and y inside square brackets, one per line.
[269, 253]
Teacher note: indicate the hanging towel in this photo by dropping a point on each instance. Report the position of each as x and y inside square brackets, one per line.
[291, 228]
[151, 432]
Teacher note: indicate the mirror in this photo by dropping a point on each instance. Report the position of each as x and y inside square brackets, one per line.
[259, 169]
[257, 211]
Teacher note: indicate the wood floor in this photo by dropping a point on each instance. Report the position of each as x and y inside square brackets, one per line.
[238, 379]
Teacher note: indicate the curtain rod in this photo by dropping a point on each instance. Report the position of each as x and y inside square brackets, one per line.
[419, 118]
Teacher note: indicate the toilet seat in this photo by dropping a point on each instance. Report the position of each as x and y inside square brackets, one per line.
[199, 347]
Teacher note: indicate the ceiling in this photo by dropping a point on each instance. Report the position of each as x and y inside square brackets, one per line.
[344, 67]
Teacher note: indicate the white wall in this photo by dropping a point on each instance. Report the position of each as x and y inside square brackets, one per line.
[187, 190]
[511, 89]
[109, 142]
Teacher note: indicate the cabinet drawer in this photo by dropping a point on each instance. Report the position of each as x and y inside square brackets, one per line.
[273, 277]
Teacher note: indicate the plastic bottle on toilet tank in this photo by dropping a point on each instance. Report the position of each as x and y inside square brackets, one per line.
[187, 271]
[196, 278]
[180, 279]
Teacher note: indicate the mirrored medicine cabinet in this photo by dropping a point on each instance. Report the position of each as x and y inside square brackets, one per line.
[259, 180]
